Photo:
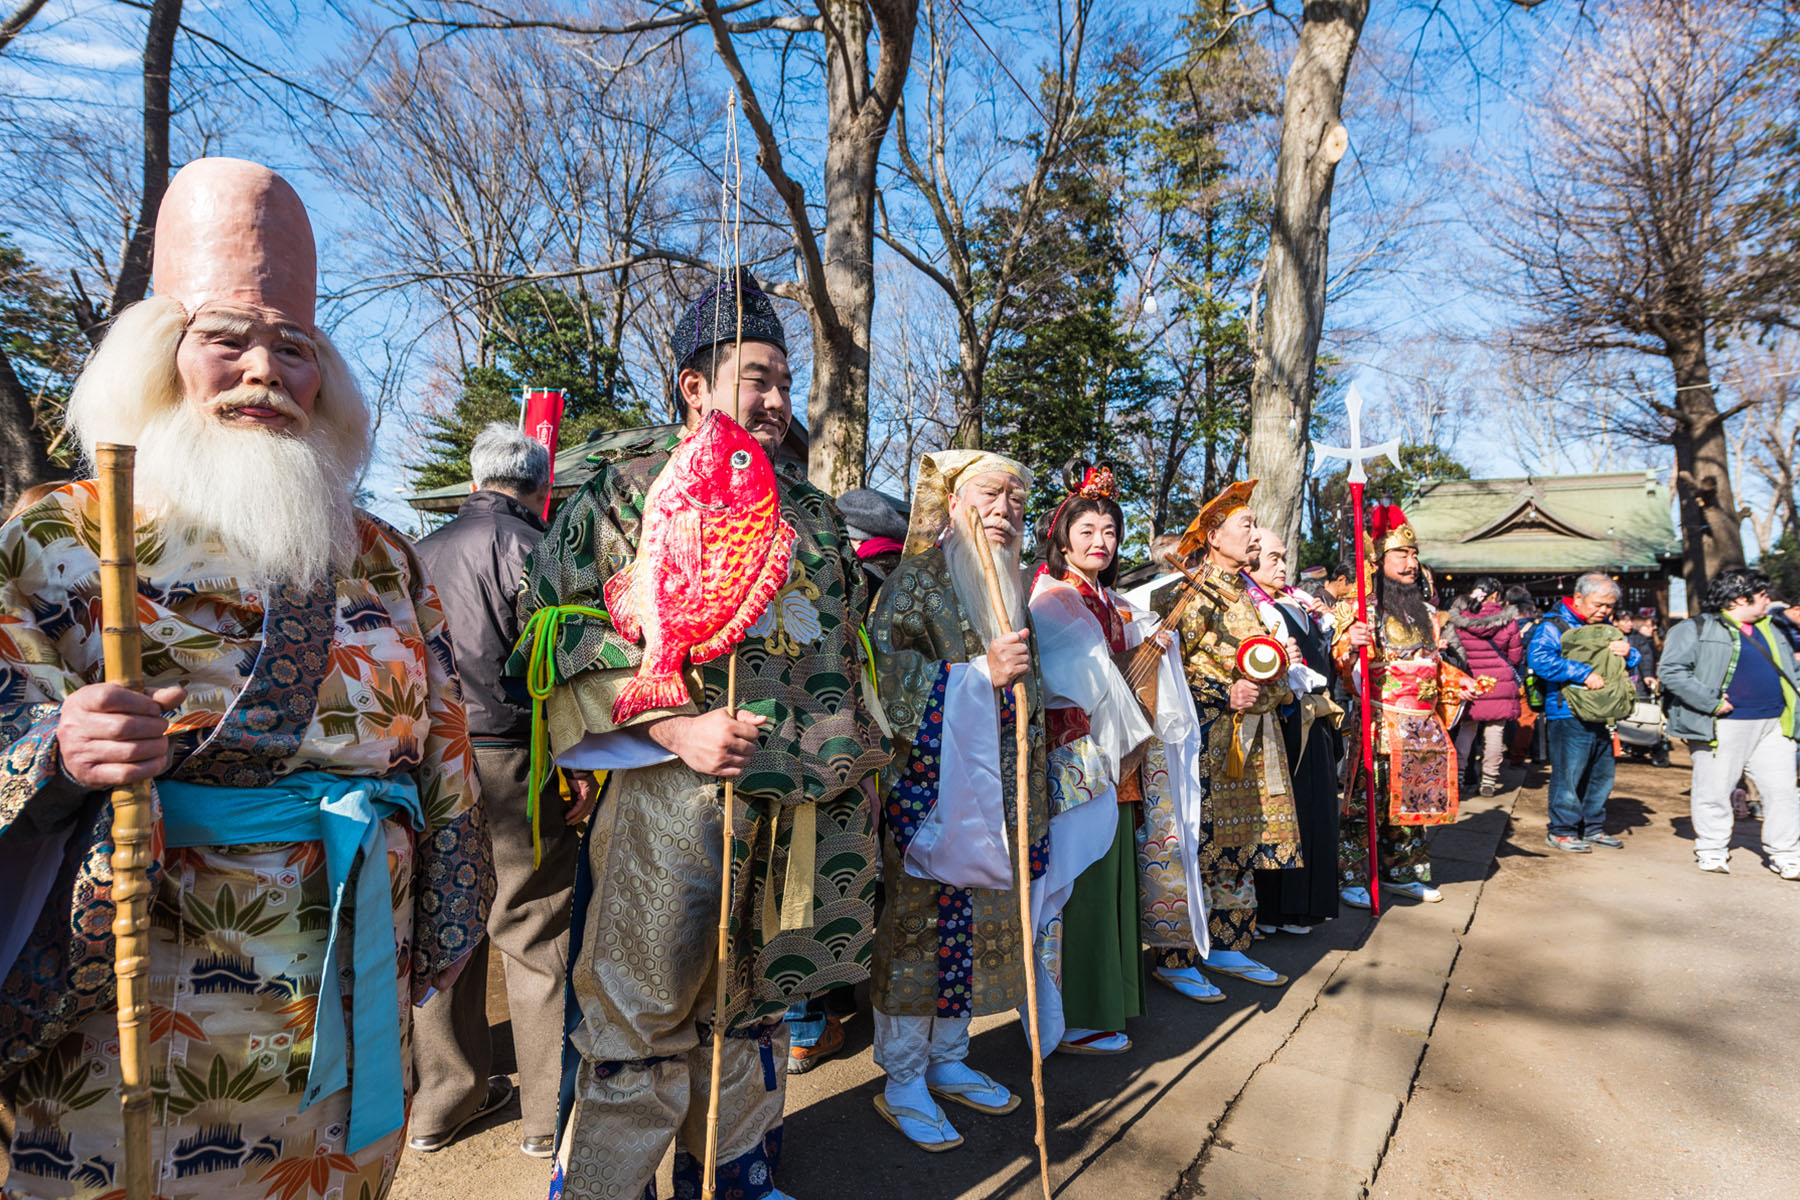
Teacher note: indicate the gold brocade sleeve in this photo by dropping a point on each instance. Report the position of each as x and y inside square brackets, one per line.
[906, 628]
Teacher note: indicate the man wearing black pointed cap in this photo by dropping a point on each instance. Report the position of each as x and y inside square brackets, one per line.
[707, 347]
[802, 745]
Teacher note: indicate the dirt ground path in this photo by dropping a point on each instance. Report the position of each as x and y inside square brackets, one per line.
[1618, 1024]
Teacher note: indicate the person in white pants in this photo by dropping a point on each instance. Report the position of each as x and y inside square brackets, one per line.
[1757, 749]
[1732, 685]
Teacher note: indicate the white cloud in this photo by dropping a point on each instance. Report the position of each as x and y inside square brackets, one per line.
[89, 53]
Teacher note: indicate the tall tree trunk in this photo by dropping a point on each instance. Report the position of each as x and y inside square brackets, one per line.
[1790, 509]
[1312, 142]
[837, 410]
[1711, 530]
[133, 282]
[24, 458]
[14, 24]
[971, 372]
[839, 285]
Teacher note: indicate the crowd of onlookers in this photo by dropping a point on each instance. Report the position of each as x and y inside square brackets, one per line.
[1577, 681]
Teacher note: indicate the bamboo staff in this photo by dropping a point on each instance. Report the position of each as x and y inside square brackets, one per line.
[709, 1178]
[122, 643]
[1021, 846]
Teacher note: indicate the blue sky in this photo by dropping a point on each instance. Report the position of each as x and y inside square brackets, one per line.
[1455, 73]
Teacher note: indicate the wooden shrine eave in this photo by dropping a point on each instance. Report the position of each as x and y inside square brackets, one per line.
[1530, 517]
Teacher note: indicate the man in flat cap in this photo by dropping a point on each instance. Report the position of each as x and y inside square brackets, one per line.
[321, 861]
[878, 530]
[803, 745]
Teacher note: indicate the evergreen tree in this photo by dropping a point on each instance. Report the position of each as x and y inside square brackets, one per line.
[1067, 378]
[542, 337]
[1781, 563]
[41, 351]
[1215, 216]
[1420, 463]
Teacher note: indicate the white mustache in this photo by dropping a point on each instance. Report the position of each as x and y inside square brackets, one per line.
[260, 397]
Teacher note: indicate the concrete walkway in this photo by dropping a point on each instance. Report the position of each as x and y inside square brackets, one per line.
[1314, 1120]
[1619, 1024]
[1301, 1083]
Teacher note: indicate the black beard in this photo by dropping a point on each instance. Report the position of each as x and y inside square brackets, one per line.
[1402, 600]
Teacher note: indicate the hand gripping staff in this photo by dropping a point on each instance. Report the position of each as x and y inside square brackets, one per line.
[1355, 454]
[1021, 847]
[122, 644]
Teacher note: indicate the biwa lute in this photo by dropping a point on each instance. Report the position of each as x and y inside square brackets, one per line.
[1140, 664]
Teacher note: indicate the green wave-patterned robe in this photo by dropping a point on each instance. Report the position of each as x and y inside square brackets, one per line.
[802, 668]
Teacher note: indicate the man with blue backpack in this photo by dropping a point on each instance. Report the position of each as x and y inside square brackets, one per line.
[1577, 733]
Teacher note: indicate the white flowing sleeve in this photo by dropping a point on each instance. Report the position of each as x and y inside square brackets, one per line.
[962, 840]
[1077, 671]
[1178, 728]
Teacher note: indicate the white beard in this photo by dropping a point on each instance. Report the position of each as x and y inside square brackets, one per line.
[279, 508]
[969, 581]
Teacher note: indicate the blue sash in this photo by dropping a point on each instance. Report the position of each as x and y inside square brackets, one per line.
[345, 814]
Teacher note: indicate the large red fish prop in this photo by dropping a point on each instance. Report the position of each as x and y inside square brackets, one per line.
[714, 552]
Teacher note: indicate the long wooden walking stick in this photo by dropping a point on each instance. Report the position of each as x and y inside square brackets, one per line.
[122, 645]
[709, 1176]
[1021, 844]
[1355, 454]
[709, 1180]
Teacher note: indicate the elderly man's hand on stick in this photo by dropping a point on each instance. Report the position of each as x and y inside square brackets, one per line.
[110, 736]
[1008, 658]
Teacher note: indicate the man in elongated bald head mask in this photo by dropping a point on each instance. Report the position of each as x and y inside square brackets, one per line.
[321, 859]
[949, 946]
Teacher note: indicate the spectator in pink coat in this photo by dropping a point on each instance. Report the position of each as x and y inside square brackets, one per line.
[1490, 638]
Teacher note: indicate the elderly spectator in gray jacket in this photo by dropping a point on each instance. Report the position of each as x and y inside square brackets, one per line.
[1731, 683]
[477, 561]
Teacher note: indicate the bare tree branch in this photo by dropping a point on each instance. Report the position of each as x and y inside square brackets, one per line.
[15, 24]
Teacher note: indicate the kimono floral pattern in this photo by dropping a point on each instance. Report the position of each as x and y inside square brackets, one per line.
[237, 932]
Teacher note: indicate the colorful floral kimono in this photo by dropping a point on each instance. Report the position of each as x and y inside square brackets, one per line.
[947, 949]
[1104, 823]
[350, 686]
[647, 892]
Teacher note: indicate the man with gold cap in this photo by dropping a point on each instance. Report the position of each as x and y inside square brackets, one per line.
[950, 946]
[320, 858]
[1250, 820]
[1415, 762]
[803, 745]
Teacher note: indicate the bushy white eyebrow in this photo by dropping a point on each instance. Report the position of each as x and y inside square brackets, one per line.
[220, 322]
[235, 325]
